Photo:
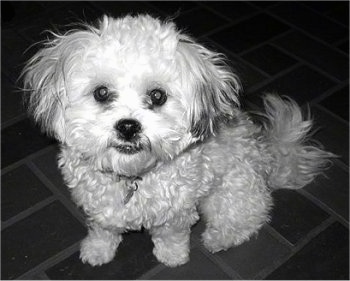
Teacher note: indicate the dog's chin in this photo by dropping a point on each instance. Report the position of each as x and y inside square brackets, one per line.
[126, 158]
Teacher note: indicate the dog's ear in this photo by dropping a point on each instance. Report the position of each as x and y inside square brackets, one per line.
[44, 88]
[215, 87]
[45, 80]
[46, 73]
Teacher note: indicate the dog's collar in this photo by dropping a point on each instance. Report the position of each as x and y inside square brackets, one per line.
[132, 185]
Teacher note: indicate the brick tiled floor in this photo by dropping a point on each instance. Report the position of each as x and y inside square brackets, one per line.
[296, 48]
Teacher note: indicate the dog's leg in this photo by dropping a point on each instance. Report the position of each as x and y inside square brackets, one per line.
[235, 211]
[99, 246]
[171, 244]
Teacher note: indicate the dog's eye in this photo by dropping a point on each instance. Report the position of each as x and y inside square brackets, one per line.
[158, 97]
[101, 93]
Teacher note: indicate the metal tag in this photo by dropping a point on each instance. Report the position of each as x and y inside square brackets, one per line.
[131, 189]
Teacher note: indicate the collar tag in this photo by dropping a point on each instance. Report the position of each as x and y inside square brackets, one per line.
[132, 187]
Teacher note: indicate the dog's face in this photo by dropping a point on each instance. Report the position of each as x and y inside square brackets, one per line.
[129, 93]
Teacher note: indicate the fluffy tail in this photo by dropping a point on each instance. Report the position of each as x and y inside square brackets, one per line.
[297, 160]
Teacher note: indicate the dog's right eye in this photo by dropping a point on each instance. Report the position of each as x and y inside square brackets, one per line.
[101, 94]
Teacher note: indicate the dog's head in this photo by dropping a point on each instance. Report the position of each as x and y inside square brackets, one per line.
[129, 92]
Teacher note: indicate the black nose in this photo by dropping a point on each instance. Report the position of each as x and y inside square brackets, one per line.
[128, 128]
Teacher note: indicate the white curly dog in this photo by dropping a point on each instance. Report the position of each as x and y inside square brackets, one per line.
[152, 135]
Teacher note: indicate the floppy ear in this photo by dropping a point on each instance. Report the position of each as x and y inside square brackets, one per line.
[45, 78]
[215, 87]
[44, 89]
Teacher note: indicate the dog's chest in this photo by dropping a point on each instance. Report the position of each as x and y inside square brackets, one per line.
[158, 197]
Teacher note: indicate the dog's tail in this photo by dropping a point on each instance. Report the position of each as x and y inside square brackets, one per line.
[296, 159]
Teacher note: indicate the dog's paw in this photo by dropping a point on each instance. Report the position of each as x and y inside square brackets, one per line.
[211, 243]
[97, 251]
[215, 241]
[171, 256]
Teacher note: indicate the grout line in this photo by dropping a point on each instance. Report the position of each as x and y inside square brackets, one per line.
[12, 121]
[230, 20]
[178, 12]
[297, 247]
[251, 106]
[312, 66]
[316, 103]
[41, 276]
[27, 158]
[231, 24]
[339, 42]
[328, 93]
[208, 8]
[62, 198]
[215, 12]
[344, 52]
[266, 8]
[53, 260]
[152, 272]
[278, 236]
[227, 269]
[252, 66]
[324, 207]
[268, 41]
[264, 83]
[28, 212]
[41, 152]
[314, 232]
[342, 165]
[13, 166]
[93, 6]
[303, 31]
[232, 54]
[213, 31]
[325, 15]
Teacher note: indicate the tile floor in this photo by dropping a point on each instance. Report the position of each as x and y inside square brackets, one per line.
[296, 48]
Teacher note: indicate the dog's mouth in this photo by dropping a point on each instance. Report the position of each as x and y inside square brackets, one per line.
[128, 148]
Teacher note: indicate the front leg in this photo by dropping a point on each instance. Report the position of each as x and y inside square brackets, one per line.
[100, 245]
[171, 244]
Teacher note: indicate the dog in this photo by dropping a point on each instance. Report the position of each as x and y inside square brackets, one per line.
[152, 136]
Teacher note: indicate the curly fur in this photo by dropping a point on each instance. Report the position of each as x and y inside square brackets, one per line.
[196, 154]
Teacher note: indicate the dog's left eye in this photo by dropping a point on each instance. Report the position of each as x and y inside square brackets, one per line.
[158, 97]
[101, 93]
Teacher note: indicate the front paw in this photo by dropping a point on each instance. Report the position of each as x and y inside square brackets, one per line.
[97, 251]
[171, 256]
